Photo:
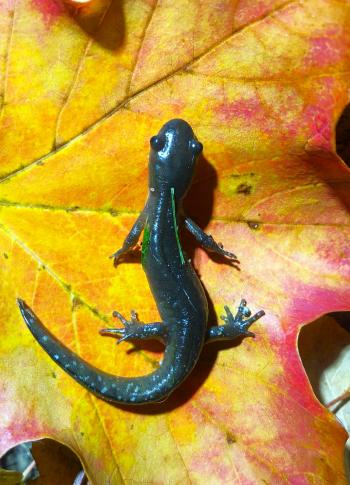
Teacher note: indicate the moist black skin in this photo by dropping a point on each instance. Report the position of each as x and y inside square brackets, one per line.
[175, 286]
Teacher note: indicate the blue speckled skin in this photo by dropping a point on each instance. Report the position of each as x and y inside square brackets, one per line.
[175, 286]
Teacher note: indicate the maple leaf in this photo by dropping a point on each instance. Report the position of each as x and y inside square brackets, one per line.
[262, 83]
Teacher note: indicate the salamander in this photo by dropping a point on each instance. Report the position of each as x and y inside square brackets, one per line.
[175, 286]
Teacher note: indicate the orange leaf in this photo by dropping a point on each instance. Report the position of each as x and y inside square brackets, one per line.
[262, 83]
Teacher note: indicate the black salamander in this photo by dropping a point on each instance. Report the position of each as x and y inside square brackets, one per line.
[175, 286]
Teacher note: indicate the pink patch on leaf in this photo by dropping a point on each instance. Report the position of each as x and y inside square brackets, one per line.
[49, 9]
[325, 51]
[310, 303]
[248, 109]
[248, 11]
[321, 128]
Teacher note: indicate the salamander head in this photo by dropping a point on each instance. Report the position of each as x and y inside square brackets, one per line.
[173, 156]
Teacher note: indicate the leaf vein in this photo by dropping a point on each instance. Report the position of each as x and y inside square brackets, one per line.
[138, 93]
[94, 403]
[177, 449]
[75, 79]
[12, 235]
[124, 212]
[7, 60]
[137, 55]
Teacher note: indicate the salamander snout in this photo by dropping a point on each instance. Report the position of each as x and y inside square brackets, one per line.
[173, 155]
[158, 142]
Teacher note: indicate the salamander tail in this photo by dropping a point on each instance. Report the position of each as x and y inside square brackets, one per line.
[154, 387]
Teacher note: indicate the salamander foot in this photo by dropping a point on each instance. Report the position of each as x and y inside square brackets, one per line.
[135, 329]
[235, 326]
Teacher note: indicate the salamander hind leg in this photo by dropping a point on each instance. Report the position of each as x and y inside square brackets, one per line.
[235, 326]
[134, 329]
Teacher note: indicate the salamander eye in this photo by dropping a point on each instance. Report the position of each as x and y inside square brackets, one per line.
[157, 142]
[196, 146]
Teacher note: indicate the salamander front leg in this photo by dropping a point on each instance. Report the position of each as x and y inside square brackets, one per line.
[206, 240]
[133, 236]
[235, 326]
[134, 329]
